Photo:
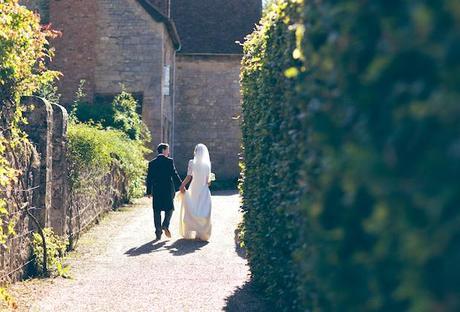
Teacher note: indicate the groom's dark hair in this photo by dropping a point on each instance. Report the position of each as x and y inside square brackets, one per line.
[161, 147]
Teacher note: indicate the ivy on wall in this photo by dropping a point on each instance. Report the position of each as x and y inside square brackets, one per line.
[24, 51]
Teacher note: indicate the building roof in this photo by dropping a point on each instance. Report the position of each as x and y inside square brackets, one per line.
[158, 15]
[213, 26]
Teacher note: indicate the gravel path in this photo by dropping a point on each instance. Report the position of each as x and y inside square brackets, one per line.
[118, 267]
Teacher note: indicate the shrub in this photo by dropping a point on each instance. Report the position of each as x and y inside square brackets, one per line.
[125, 117]
[49, 91]
[118, 113]
[56, 249]
[94, 149]
[350, 138]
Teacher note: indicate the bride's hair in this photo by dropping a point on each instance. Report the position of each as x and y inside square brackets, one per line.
[202, 155]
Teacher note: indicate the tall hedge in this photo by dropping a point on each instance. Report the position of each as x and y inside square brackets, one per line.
[351, 155]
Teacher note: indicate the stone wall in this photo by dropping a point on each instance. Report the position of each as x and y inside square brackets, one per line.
[162, 5]
[114, 42]
[42, 183]
[131, 49]
[15, 256]
[60, 191]
[91, 199]
[207, 102]
[168, 97]
[39, 6]
[43, 188]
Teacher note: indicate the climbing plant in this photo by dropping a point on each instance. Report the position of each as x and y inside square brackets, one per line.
[24, 51]
[56, 248]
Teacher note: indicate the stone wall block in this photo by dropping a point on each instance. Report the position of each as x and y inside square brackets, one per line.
[59, 198]
[40, 131]
[207, 100]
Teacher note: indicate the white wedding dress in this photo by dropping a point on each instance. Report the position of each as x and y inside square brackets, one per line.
[195, 203]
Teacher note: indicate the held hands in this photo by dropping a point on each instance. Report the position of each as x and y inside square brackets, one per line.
[182, 189]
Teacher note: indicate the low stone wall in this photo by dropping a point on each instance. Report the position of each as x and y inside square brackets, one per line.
[89, 201]
[15, 255]
[43, 188]
[46, 130]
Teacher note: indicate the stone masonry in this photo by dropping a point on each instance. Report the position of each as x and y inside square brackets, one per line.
[179, 57]
[206, 111]
[44, 188]
[114, 42]
[77, 61]
[135, 55]
[42, 184]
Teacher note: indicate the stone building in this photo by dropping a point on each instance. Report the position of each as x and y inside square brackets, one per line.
[178, 57]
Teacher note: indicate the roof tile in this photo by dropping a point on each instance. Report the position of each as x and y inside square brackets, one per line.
[213, 26]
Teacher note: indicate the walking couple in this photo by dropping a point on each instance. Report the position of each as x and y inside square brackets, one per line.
[162, 183]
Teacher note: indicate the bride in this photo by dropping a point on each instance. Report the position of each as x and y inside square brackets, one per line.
[195, 213]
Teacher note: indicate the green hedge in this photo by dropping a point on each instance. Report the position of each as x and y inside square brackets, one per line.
[95, 150]
[351, 155]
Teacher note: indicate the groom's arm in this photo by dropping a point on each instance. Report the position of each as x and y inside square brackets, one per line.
[149, 180]
[175, 176]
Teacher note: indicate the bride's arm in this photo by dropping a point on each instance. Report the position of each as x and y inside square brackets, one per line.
[185, 182]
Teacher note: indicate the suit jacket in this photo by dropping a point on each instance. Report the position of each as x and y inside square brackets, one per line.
[162, 182]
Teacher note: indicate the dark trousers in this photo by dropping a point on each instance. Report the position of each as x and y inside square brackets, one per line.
[157, 219]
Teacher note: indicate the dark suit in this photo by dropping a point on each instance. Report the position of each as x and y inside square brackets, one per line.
[162, 182]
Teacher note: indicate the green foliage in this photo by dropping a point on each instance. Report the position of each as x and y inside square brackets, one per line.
[118, 113]
[6, 300]
[269, 189]
[125, 116]
[50, 92]
[95, 149]
[78, 102]
[56, 248]
[23, 55]
[351, 155]
[105, 136]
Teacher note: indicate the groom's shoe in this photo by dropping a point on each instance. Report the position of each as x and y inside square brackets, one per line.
[167, 233]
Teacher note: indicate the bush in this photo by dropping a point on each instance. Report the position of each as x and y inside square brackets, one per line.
[350, 138]
[95, 150]
[118, 113]
[56, 248]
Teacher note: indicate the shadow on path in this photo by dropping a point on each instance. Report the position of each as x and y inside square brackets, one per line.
[223, 193]
[245, 299]
[145, 249]
[185, 246]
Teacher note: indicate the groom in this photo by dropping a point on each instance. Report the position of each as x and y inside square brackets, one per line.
[162, 182]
